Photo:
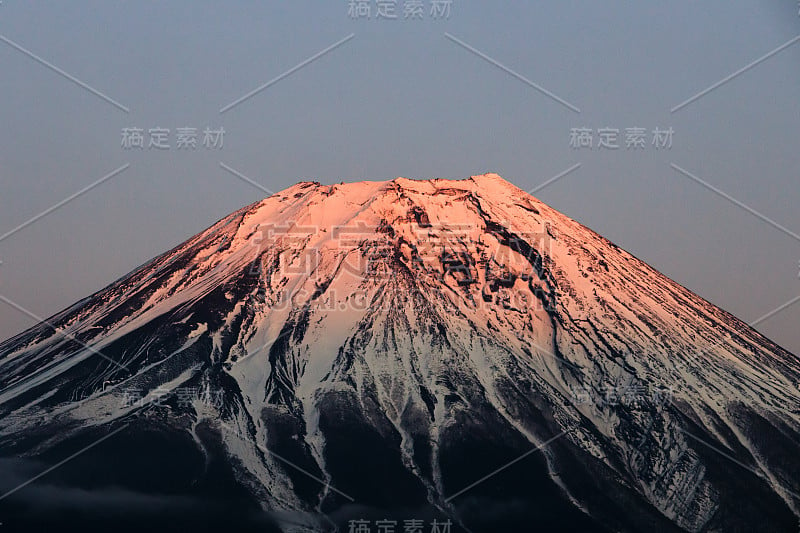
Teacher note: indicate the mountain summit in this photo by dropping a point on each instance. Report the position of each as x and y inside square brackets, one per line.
[433, 350]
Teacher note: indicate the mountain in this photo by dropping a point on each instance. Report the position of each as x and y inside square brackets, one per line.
[433, 350]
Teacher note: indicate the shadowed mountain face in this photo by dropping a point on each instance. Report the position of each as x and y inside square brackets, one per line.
[452, 352]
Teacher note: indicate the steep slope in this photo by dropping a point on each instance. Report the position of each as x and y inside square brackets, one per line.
[374, 348]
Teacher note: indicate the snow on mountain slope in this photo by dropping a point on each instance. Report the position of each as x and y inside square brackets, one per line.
[404, 329]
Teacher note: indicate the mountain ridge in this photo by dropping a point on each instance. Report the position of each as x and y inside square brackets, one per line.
[435, 319]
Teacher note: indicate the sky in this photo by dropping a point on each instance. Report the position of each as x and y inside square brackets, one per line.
[316, 90]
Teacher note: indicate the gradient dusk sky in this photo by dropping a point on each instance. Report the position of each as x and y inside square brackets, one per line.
[487, 87]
